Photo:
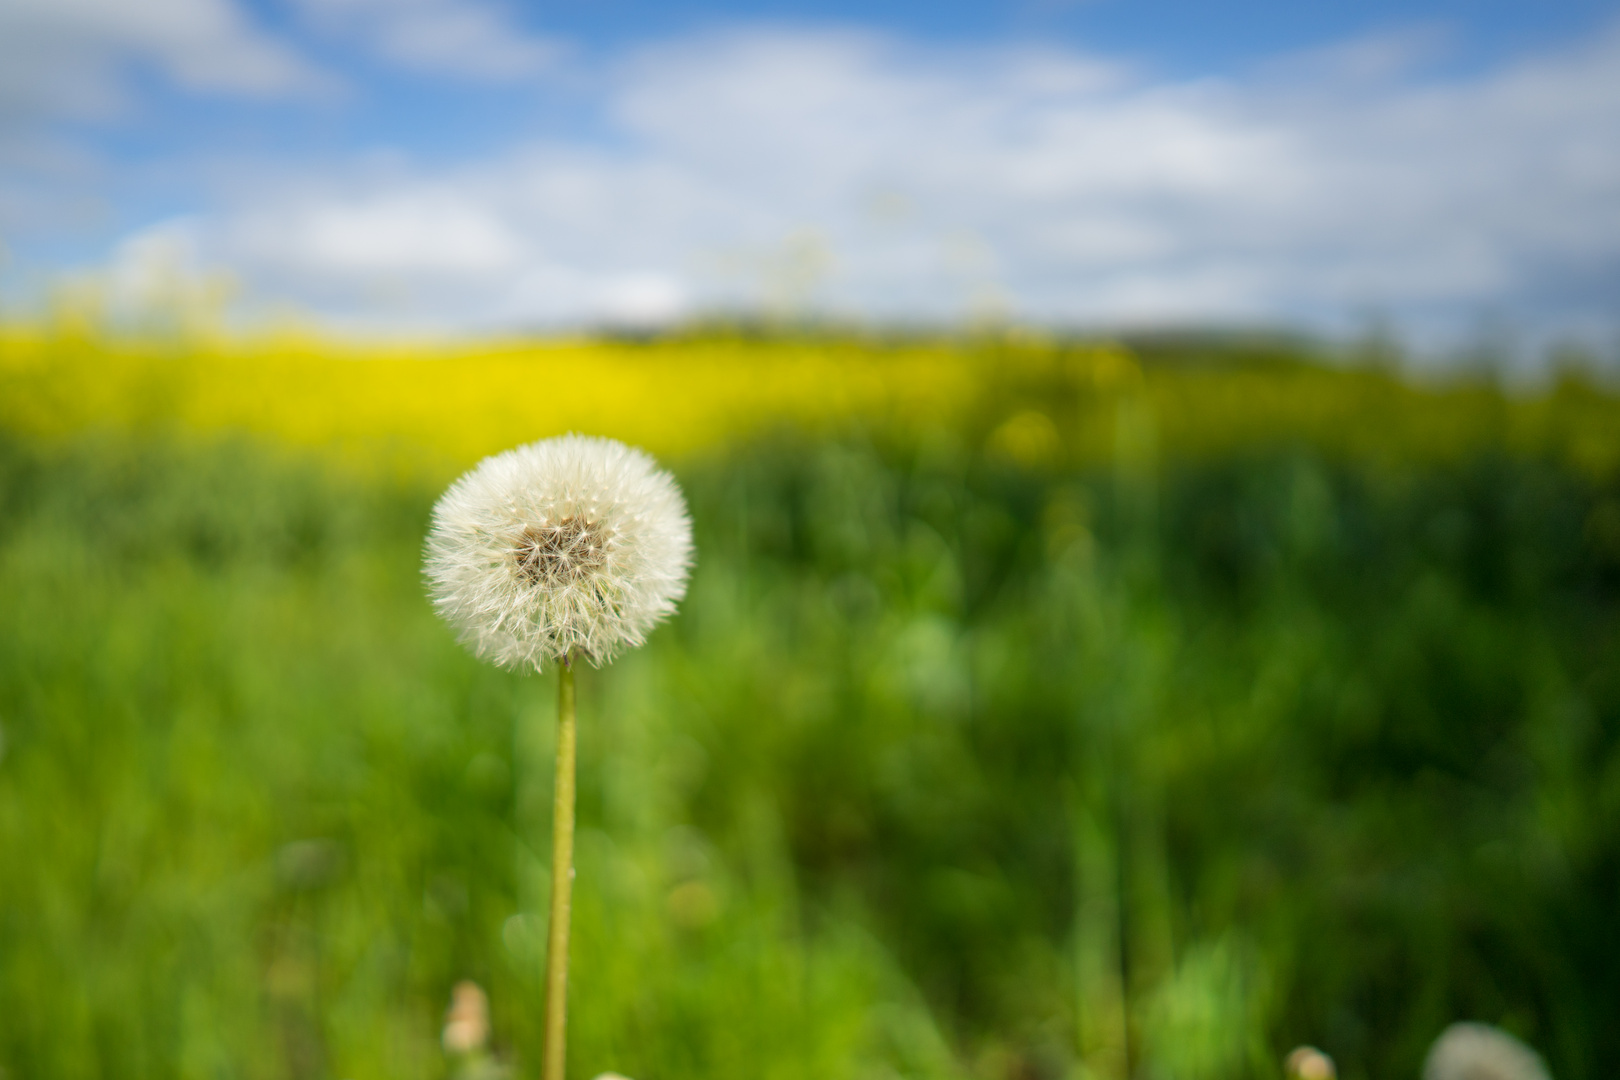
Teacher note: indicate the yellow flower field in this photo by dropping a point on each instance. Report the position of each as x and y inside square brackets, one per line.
[1032, 398]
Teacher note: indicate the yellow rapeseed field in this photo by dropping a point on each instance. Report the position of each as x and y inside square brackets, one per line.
[1030, 398]
[457, 402]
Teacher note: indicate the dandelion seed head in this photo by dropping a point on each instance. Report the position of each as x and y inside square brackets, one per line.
[567, 545]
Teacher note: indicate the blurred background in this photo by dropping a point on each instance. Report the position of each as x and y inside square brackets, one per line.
[1156, 474]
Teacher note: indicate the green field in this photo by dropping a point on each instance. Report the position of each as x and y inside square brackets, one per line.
[978, 749]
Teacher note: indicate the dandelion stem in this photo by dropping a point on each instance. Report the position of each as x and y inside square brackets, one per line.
[562, 878]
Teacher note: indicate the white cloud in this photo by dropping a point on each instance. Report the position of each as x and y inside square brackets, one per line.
[1068, 186]
[466, 38]
[409, 231]
[68, 56]
[72, 60]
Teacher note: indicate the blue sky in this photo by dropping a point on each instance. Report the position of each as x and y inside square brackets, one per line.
[472, 165]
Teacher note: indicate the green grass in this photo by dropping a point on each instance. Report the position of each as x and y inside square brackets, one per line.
[946, 767]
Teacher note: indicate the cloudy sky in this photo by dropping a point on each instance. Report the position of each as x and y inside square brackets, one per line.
[470, 164]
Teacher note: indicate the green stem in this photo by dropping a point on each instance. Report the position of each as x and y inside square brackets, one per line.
[562, 878]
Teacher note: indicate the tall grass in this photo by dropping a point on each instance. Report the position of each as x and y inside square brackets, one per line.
[1110, 722]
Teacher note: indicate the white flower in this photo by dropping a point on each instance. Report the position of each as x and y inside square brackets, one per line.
[1470, 1051]
[466, 1025]
[568, 545]
[1309, 1063]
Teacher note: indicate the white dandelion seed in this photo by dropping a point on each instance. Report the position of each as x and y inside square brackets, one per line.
[572, 545]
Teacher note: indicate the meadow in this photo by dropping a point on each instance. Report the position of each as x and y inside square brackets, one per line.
[1040, 710]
